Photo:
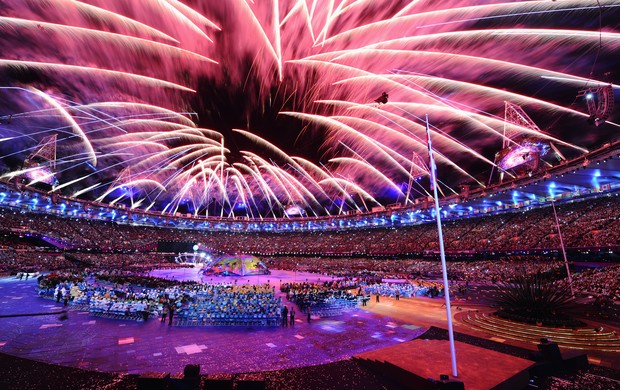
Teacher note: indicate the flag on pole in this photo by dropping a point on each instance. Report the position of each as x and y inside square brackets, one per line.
[431, 159]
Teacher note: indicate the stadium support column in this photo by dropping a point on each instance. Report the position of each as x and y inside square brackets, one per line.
[444, 270]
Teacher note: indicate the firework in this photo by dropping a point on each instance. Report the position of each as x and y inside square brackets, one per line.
[197, 106]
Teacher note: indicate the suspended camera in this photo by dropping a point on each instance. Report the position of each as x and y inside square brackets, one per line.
[383, 99]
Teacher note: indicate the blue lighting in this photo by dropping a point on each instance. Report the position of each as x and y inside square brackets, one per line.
[551, 189]
[595, 176]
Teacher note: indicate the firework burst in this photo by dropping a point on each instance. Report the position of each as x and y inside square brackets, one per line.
[249, 108]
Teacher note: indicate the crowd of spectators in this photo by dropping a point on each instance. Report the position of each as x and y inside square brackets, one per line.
[480, 271]
[602, 283]
[14, 261]
[134, 260]
[72, 232]
[588, 223]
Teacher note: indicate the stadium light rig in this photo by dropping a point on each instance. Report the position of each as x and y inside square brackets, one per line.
[600, 102]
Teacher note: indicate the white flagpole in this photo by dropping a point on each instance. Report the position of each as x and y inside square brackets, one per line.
[557, 224]
[442, 251]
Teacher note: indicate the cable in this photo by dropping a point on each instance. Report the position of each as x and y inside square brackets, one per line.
[600, 39]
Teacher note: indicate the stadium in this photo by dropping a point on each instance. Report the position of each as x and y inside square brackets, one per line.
[311, 194]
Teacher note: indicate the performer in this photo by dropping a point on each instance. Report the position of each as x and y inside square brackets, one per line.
[171, 312]
[284, 315]
[164, 312]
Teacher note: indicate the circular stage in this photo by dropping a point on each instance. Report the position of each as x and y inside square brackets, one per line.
[103, 344]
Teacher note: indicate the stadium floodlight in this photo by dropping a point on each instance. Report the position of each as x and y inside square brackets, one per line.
[600, 102]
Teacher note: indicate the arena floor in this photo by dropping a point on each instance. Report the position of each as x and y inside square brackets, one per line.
[102, 344]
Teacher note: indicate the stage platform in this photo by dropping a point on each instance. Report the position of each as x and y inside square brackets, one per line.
[414, 362]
